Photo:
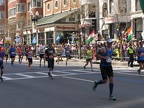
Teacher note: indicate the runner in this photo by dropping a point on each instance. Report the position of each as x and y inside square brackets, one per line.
[6, 54]
[30, 55]
[105, 53]
[89, 54]
[22, 52]
[2, 54]
[59, 54]
[19, 50]
[42, 54]
[12, 52]
[49, 53]
[140, 55]
[26, 51]
[67, 52]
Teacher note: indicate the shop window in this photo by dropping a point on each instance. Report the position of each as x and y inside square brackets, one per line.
[41, 38]
[49, 38]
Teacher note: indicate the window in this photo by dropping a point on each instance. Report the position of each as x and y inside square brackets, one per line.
[56, 4]
[11, 0]
[1, 2]
[29, 6]
[49, 37]
[12, 12]
[111, 6]
[1, 15]
[65, 2]
[21, 7]
[48, 6]
[137, 5]
[105, 12]
[36, 3]
[74, 1]
[122, 6]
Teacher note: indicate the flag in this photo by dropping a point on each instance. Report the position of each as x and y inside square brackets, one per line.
[34, 40]
[1, 42]
[142, 5]
[91, 37]
[129, 32]
[18, 39]
[58, 38]
[73, 36]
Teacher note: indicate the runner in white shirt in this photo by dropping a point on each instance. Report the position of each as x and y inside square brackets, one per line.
[42, 53]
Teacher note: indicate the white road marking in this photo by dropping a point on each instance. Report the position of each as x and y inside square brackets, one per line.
[24, 75]
[78, 79]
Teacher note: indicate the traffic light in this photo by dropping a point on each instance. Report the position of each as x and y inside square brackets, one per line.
[94, 24]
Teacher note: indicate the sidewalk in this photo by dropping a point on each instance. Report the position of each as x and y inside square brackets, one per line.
[114, 62]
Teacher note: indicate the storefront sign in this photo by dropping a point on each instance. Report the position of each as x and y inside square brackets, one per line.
[109, 20]
[65, 28]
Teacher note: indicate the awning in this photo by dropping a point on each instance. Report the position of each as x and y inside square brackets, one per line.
[54, 18]
[142, 5]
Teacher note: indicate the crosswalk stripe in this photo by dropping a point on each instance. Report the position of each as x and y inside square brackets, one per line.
[24, 75]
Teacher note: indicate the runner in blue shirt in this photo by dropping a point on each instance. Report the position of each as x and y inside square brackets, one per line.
[12, 52]
[2, 54]
[106, 53]
[67, 53]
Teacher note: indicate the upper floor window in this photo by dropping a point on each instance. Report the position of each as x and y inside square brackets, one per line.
[12, 12]
[56, 4]
[65, 2]
[105, 12]
[122, 6]
[36, 3]
[21, 7]
[137, 5]
[29, 6]
[111, 6]
[1, 15]
[48, 6]
[10, 0]
[74, 1]
[1, 2]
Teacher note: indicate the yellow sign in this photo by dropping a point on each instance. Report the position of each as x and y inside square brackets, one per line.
[8, 40]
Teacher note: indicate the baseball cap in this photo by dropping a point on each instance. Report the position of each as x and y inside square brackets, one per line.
[109, 40]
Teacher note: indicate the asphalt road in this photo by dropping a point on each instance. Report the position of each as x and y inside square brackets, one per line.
[70, 88]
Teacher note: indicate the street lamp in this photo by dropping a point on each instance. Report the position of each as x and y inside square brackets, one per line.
[34, 19]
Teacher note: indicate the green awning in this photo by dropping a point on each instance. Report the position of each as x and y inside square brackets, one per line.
[142, 5]
[54, 18]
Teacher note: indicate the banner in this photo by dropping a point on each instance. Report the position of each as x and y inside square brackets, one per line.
[34, 40]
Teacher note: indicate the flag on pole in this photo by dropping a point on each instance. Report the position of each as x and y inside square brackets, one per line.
[58, 38]
[142, 5]
[18, 39]
[34, 40]
[130, 35]
[73, 36]
[1, 42]
[91, 37]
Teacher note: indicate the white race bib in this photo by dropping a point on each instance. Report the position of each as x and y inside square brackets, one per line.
[109, 60]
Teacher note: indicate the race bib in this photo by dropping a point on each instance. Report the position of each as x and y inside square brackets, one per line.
[67, 51]
[109, 60]
[13, 53]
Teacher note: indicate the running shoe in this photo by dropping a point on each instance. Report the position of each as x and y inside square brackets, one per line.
[1, 78]
[112, 98]
[84, 67]
[138, 71]
[95, 85]
[51, 77]
[49, 74]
